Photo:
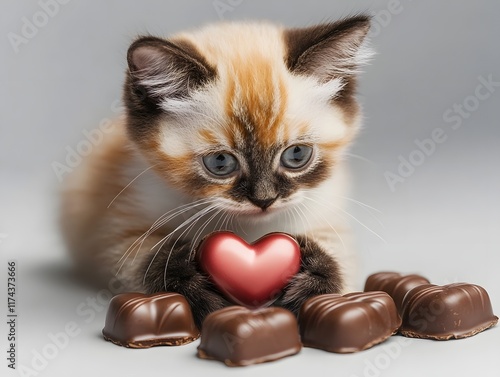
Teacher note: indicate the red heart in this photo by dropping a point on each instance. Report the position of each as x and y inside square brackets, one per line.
[251, 275]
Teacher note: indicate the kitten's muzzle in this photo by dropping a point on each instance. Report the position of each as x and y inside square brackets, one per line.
[263, 203]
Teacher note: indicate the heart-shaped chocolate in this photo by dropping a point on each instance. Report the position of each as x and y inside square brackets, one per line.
[250, 274]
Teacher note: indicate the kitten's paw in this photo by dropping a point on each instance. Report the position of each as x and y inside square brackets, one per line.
[181, 275]
[202, 297]
[319, 274]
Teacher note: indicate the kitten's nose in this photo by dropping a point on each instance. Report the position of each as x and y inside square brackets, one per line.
[263, 203]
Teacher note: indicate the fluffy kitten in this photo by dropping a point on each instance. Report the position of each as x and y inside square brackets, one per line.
[237, 126]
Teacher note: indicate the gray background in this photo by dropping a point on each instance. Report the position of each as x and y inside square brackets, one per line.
[442, 221]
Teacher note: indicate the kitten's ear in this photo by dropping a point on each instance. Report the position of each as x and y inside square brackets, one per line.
[164, 70]
[328, 50]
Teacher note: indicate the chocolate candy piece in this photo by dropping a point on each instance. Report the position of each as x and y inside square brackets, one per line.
[443, 312]
[394, 284]
[239, 336]
[140, 321]
[349, 323]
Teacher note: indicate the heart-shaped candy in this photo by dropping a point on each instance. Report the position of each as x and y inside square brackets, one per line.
[250, 274]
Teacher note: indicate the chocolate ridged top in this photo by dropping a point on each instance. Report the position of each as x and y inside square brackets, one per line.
[349, 323]
[239, 336]
[455, 310]
[394, 284]
[139, 320]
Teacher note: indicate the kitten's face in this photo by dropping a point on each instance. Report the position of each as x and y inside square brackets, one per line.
[250, 115]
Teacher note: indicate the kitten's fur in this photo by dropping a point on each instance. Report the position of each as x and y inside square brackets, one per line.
[247, 89]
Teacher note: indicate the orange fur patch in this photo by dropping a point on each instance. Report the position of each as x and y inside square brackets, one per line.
[212, 191]
[208, 136]
[256, 98]
[334, 144]
[175, 169]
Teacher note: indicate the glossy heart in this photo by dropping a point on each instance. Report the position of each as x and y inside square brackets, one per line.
[250, 274]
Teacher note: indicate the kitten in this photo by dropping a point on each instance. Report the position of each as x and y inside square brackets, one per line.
[236, 126]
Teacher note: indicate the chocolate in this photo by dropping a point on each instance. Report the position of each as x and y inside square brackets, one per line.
[239, 336]
[140, 321]
[443, 312]
[394, 284]
[349, 323]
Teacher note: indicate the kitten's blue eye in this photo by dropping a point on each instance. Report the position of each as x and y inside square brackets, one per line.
[296, 156]
[220, 164]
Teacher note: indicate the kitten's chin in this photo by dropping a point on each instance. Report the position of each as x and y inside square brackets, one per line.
[257, 214]
[251, 213]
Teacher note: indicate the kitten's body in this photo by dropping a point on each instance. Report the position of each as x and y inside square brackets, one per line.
[250, 91]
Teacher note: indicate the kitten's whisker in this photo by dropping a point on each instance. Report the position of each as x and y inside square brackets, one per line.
[178, 213]
[354, 218]
[293, 213]
[230, 221]
[199, 232]
[198, 214]
[194, 243]
[363, 225]
[132, 181]
[238, 225]
[162, 223]
[222, 218]
[328, 223]
[306, 229]
[164, 239]
[301, 220]
[162, 220]
[155, 225]
[225, 223]
[189, 228]
[214, 207]
[216, 226]
[365, 207]
[232, 218]
[360, 203]
[360, 157]
[307, 219]
[288, 218]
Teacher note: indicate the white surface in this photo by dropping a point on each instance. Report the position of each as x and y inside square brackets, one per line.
[441, 222]
[49, 298]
